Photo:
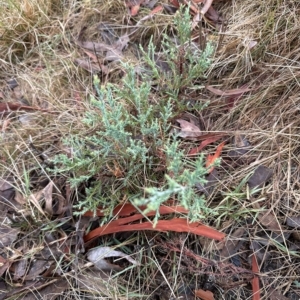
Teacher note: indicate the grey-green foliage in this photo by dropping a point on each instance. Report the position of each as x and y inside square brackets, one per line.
[180, 184]
[186, 61]
[124, 131]
[116, 154]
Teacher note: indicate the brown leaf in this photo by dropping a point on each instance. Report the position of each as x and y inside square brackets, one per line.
[293, 222]
[49, 292]
[36, 198]
[214, 16]
[19, 268]
[296, 237]
[251, 44]
[39, 286]
[188, 129]
[241, 146]
[204, 295]
[19, 198]
[91, 55]
[269, 220]
[275, 294]
[277, 236]
[233, 243]
[107, 32]
[8, 235]
[12, 83]
[233, 92]
[206, 7]
[260, 176]
[8, 107]
[134, 6]
[95, 280]
[157, 9]
[134, 10]
[5, 185]
[36, 269]
[98, 255]
[93, 46]
[4, 265]
[233, 99]
[260, 252]
[45, 196]
[7, 198]
[48, 189]
[212, 180]
[88, 66]
[113, 52]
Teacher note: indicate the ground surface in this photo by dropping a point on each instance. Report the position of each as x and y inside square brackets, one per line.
[243, 109]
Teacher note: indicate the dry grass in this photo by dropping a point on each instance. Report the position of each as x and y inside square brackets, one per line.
[38, 48]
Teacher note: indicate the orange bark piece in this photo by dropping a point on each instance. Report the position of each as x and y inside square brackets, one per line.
[157, 9]
[176, 224]
[134, 10]
[203, 144]
[212, 158]
[204, 295]
[175, 3]
[255, 280]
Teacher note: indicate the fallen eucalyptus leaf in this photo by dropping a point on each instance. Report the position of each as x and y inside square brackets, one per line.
[212, 180]
[204, 295]
[260, 176]
[188, 129]
[233, 243]
[98, 255]
[241, 146]
[8, 235]
[293, 222]
[269, 220]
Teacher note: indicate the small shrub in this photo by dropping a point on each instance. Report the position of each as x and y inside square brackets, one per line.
[126, 152]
